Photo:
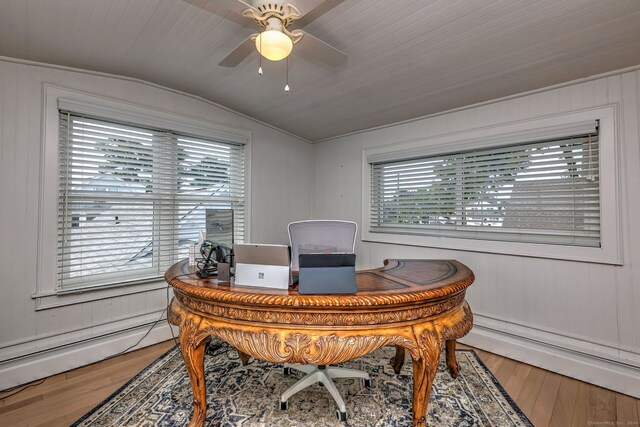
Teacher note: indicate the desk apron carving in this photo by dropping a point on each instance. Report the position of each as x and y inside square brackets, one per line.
[423, 329]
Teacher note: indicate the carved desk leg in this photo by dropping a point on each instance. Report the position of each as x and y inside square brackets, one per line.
[457, 325]
[244, 358]
[425, 366]
[452, 363]
[397, 361]
[193, 344]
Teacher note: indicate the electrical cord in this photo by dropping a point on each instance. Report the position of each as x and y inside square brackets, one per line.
[190, 275]
[166, 310]
[143, 337]
[219, 348]
[207, 269]
[221, 344]
[106, 358]
[22, 389]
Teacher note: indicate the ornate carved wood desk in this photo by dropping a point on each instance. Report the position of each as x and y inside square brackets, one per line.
[417, 305]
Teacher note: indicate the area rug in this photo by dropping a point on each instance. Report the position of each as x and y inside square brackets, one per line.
[249, 395]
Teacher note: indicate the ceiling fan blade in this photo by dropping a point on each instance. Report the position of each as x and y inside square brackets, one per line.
[237, 6]
[222, 7]
[314, 48]
[312, 10]
[238, 54]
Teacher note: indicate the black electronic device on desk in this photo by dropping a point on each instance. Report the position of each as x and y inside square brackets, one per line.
[214, 256]
[327, 274]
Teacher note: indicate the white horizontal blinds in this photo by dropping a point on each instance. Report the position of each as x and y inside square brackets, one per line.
[209, 175]
[131, 199]
[541, 192]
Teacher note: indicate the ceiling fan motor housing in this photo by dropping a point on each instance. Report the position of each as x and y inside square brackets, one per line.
[274, 17]
[285, 12]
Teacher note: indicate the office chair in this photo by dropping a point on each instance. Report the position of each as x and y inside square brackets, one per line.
[318, 237]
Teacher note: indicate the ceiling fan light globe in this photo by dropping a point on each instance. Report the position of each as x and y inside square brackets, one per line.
[274, 45]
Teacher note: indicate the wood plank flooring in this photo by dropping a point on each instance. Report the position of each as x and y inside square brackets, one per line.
[63, 398]
[548, 399]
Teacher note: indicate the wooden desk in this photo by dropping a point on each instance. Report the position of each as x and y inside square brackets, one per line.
[417, 305]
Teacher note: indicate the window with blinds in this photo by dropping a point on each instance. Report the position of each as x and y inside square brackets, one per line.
[131, 199]
[542, 191]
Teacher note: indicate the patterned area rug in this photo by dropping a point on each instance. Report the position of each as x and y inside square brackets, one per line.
[249, 396]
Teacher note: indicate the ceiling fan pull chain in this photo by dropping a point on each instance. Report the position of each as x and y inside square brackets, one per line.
[260, 63]
[286, 85]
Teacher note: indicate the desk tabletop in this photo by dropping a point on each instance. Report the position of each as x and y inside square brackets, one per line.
[397, 282]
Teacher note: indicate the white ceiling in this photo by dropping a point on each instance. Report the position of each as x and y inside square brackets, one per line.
[405, 58]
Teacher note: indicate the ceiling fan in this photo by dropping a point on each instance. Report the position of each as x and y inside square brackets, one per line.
[281, 22]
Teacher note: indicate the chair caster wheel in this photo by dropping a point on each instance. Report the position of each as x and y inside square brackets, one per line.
[366, 382]
[286, 371]
[341, 416]
[284, 405]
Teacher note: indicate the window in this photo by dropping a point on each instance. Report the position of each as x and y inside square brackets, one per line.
[542, 191]
[131, 198]
[544, 187]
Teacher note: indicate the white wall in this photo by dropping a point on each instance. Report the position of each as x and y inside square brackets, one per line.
[577, 318]
[34, 344]
[587, 315]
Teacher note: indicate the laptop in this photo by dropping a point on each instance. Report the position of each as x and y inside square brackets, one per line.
[265, 266]
[327, 274]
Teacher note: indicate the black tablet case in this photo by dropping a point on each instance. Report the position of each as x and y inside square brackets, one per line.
[327, 274]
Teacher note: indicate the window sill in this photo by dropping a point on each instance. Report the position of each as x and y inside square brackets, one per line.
[48, 300]
[601, 255]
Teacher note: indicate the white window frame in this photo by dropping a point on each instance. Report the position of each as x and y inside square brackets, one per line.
[47, 295]
[610, 250]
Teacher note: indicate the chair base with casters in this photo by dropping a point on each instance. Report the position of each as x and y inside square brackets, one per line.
[324, 375]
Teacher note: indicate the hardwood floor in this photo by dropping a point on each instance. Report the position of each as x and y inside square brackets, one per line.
[63, 398]
[548, 399]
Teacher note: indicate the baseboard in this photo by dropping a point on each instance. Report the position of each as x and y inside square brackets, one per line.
[30, 345]
[611, 374]
[57, 360]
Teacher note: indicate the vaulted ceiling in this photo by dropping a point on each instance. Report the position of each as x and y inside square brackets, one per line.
[405, 58]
